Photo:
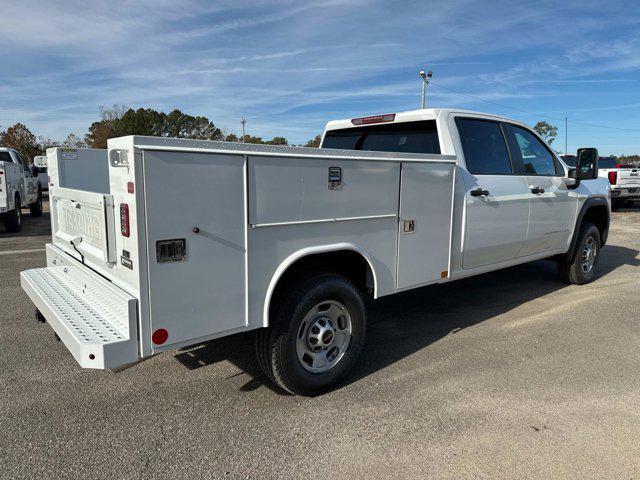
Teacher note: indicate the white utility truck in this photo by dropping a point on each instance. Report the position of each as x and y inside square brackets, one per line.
[195, 240]
[40, 164]
[624, 180]
[19, 188]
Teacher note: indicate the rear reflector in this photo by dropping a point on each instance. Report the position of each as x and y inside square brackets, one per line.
[160, 336]
[124, 220]
[389, 117]
[130, 187]
[613, 177]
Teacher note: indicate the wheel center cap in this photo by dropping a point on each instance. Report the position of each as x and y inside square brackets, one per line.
[321, 334]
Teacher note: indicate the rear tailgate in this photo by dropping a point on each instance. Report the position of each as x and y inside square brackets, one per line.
[83, 225]
[629, 178]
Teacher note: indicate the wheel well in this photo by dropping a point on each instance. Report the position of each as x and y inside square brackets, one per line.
[598, 215]
[348, 263]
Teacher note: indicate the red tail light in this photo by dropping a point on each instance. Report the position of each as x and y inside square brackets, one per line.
[613, 177]
[124, 220]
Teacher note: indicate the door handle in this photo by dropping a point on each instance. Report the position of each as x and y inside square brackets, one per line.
[537, 190]
[479, 192]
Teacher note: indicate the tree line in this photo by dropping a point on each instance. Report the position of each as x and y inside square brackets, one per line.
[119, 121]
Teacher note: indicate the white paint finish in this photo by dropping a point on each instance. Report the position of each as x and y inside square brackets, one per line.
[228, 288]
[496, 225]
[16, 177]
[552, 215]
[288, 190]
[305, 252]
[84, 219]
[204, 293]
[79, 168]
[95, 319]
[426, 198]
[272, 250]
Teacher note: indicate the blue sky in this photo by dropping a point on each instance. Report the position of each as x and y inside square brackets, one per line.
[290, 66]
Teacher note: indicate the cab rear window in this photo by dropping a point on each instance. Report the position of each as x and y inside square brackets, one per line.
[5, 157]
[407, 137]
[607, 163]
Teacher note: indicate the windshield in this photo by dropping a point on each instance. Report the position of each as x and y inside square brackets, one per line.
[409, 137]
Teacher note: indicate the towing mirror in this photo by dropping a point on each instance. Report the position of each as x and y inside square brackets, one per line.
[586, 164]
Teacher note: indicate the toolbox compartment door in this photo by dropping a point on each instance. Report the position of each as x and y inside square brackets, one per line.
[196, 218]
[424, 230]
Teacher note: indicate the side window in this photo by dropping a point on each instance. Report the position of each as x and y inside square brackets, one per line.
[25, 165]
[5, 157]
[484, 147]
[536, 158]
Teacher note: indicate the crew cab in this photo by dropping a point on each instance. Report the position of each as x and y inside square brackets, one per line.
[19, 188]
[624, 180]
[194, 240]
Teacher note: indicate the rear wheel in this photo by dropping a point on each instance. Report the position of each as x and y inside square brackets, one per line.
[13, 219]
[36, 207]
[316, 336]
[582, 268]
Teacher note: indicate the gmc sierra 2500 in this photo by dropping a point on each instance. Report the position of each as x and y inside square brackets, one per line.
[194, 240]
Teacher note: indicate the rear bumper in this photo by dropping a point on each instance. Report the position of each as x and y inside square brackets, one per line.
[96, 320]
[625, 192]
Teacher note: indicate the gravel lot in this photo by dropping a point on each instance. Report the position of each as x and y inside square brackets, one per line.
[507, 375]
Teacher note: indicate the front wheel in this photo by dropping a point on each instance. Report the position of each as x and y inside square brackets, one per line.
[582, 268]
[316, 336]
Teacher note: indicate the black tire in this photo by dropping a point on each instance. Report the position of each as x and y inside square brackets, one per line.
[574, 270]
[616, 205]
[36, 207]
[13, 219]
[276, 346]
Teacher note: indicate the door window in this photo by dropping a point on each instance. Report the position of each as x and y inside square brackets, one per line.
[484, 147]
[536, 158]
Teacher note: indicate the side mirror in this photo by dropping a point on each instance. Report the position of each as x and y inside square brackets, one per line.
[587, 164]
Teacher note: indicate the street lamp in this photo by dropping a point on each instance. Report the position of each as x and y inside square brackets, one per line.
[425, 81]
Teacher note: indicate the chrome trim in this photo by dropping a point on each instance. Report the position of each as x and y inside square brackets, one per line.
[321, 220]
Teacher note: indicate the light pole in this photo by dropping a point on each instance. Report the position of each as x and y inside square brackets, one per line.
[425, 81]
[243, 122]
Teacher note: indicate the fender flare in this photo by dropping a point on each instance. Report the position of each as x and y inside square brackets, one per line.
[305, 252]
[590, 202]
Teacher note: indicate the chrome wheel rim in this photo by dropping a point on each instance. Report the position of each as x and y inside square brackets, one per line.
[324, 336]
[588, 255]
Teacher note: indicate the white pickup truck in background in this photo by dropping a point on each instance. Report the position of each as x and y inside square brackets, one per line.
[40, 164]
[624, 180]
[19, 188]
[186, 241]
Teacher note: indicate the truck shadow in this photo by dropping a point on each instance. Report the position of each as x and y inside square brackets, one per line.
[402, 324]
